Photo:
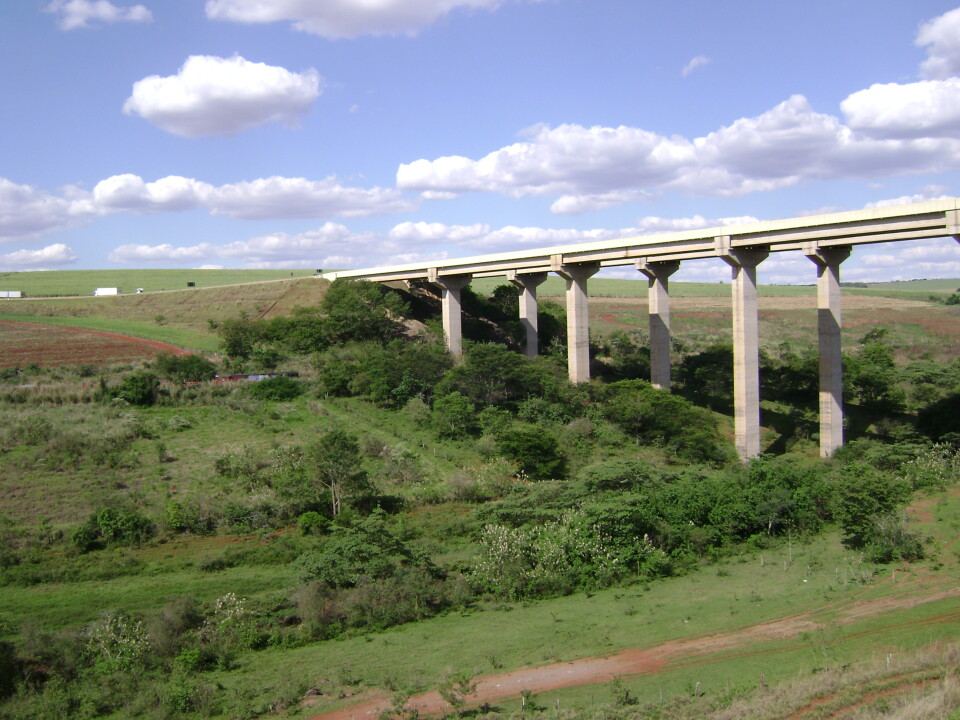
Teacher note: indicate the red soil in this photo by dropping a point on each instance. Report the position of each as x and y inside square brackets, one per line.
[673, 654]
[23, 343]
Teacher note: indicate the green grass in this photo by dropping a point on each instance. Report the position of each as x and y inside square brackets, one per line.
[192, 339]
[51, 283]
[734, 594]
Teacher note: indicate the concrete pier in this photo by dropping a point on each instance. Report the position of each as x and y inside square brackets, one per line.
[528, 283]
[658, 294]
[746, 344]
[828, 262]
[450, 287]
[578, 334]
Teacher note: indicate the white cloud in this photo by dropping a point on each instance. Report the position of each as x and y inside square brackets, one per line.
[653, 224]
[698, 61]
[423, 232]
[26, 212]
[301, 198]
[273, 197]
[576, 204]
[52, 255]
[223, 96]
[74, 14]
[942, 35]
[930, 108]
[345, 18]
[600, 167]
[130, 193]
[315, 248]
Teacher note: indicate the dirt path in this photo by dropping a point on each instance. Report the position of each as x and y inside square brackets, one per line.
[672, 654]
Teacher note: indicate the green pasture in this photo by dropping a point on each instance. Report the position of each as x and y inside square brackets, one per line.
[59, 283]
[181, 337]
[819, 580]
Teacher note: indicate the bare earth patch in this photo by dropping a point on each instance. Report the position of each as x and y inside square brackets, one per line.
[673, 654]
[23, 344]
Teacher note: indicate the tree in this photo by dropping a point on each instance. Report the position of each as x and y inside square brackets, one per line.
[454, 415]
[535, 450]
[185, 368]
[864, 495]
[362, 310]
[336, 467]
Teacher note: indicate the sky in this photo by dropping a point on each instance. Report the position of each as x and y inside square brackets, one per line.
[354, 133]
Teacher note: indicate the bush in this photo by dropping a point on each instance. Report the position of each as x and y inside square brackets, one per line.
[141, 388]
[618, 474]
[890, 540]
[863, 496]
[112, 527]
[536, 452]
[184, 368]
[277, 389]
[656, 417]
[311, 522]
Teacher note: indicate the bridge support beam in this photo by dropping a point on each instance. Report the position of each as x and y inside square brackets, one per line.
[828, 262]
[658, 294]
[528, 283]
[450, 287]
[578, 333]
[746, 344]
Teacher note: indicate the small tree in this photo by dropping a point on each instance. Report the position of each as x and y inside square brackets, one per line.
[336, 467]
[456, 688]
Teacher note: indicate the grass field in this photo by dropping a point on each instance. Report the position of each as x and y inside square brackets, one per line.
[777, 609]
[60, 283]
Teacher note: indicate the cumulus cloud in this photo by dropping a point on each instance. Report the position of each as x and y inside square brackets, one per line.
[930, 108]
[50, 256]
[698, 61]
[273, 197]
[27, 213]
[74, 14]
[331, 245]
[942, 36]
[336, 19]
[601, 167]
[223, 96]
[301, 198]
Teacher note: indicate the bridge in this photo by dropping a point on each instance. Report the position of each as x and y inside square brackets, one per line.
[827, 240]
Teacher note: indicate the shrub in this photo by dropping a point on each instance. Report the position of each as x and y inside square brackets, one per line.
[890, 540]
[111, 526]
[659, 418]
[534, 450]
[453, 415]
[141, 388]
[278, 389]
[618, 474]
[184, 368]
[863, 495]
[311, 522]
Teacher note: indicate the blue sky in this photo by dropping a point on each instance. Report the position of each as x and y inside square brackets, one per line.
[353, 133]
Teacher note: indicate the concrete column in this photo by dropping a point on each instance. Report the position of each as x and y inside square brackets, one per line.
[450, 287]
[658, 293]
[828, 262]
[578, 323]
[528, 283]
[746, 344]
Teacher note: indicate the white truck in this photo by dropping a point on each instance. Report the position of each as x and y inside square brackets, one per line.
[99, 292]
[11, 293]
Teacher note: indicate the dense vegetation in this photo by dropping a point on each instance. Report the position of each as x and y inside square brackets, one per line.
[382, 483]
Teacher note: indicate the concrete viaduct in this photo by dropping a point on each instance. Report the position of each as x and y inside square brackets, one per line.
[826, 240]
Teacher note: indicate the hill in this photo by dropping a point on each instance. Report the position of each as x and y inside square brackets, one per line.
[173, 546]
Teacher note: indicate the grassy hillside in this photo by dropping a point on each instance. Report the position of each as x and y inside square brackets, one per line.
[172, 549]
[82, 282]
